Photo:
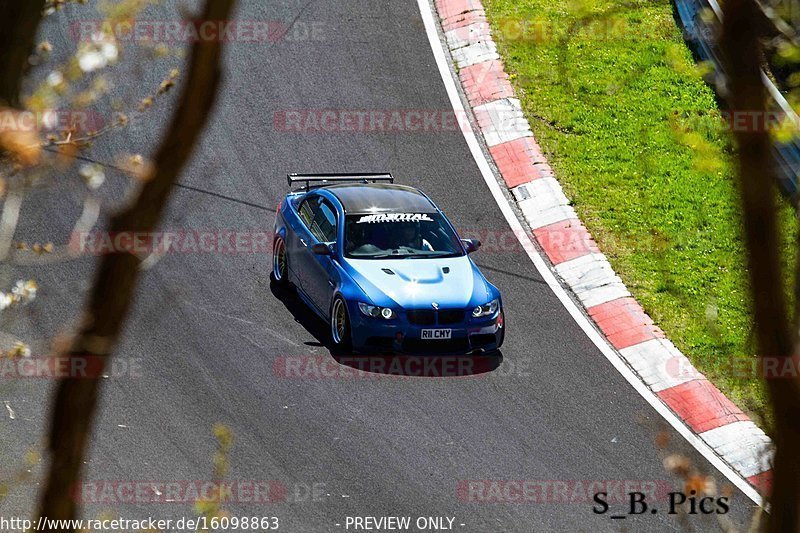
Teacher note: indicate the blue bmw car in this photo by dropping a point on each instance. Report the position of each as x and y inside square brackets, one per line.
[383, 266]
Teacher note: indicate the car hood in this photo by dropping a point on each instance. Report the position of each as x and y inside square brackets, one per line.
[417, 283]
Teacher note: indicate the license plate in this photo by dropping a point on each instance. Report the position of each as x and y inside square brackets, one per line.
[436, 334]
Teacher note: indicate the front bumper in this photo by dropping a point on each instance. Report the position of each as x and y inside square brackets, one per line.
[400, 335]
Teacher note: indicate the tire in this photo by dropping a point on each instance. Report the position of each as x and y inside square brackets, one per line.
[341, 339]
[280, 263]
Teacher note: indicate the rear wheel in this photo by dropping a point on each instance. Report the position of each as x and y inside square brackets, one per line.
[279, 263]
[340, 325]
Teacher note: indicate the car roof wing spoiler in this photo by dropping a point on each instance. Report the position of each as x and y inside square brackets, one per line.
[321, 180]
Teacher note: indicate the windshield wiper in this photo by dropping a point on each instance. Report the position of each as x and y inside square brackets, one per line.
[390, 254]
[412, 255]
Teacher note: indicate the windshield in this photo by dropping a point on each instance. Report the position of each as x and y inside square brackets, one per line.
[400, 235]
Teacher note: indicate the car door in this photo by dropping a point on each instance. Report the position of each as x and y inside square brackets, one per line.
[323, 274]
[299, 242]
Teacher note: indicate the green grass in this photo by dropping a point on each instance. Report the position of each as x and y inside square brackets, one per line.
[605, 104]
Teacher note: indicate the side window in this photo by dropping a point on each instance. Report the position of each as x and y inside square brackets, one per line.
[308, 209]
[324, 227]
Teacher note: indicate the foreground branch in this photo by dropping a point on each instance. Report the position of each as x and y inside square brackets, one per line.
[740, 43]
[114, 285]
[19, 21]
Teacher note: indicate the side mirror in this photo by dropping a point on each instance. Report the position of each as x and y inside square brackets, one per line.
[321, 249]
[471, 245]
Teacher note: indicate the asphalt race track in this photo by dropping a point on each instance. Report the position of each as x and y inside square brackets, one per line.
[207, 328]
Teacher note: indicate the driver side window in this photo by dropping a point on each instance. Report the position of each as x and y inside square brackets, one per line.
[308, 210]
[324, 226]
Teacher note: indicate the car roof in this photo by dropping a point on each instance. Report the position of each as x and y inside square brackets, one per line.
[380, 198]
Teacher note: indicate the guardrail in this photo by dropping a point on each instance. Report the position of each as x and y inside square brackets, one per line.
[701, 20]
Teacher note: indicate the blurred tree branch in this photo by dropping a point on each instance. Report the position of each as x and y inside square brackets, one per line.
[773, 326]
[19, 21]
[114, 286]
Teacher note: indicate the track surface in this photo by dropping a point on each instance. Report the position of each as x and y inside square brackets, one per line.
[208, 328]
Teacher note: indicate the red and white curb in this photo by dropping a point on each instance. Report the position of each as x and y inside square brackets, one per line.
[576, 259]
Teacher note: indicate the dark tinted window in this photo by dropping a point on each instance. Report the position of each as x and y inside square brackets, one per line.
[308, 209]
[324, 227]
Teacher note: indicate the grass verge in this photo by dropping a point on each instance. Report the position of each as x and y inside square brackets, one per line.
[618, 105]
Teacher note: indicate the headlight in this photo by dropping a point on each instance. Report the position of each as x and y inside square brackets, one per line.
[486, 309]
[376, 312]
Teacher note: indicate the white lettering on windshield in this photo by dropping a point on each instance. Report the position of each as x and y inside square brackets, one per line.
[394, 217]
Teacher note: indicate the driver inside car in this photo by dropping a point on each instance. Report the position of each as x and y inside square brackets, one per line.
[408, 236]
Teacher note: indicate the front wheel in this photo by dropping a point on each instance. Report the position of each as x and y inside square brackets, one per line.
[340, 326]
